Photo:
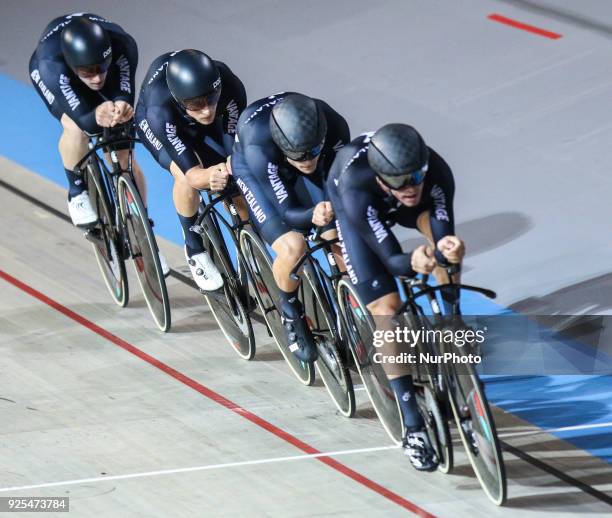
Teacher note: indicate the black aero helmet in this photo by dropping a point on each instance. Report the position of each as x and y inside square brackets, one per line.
[192, 74]
[398, 155]
[85, 43]
[298, 127]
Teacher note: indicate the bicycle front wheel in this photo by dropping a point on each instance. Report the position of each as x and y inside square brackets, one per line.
[104, 238]
[360, 330]
[477, 431]
[268, 298]
[145, 253]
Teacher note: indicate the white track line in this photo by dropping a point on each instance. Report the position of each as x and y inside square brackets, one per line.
[553, 430]
[194, 468]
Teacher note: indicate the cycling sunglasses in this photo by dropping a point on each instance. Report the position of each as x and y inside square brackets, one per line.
[94, 70]
[408, 180]
[199, 103]
[309, 154]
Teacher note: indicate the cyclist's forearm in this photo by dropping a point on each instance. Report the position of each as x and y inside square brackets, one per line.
[299, 217]
[399, 264]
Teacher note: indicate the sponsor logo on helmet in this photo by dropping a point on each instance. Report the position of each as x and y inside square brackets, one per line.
[71, 98]
[439, 199]
[380, 232]
[277, 183]
[47, 94]
[124, 74]
[148, 132]
[217, 83]
[107, 52]
[174, 139]
[233, 113]
[256, 211]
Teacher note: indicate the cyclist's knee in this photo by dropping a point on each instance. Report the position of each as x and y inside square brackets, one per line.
[72, 132]
[177, 172]
[385, 305]
[290, 246]
[330, 234]
[182, 184]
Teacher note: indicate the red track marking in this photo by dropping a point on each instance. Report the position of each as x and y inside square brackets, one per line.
[217, 398]
[523, 26]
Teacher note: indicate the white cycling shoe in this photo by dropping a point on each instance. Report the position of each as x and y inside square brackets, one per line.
[204, 272]
[81, 211]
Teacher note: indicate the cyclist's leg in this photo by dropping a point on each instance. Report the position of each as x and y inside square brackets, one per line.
[72, 147]
[399, 375]
[72, 144]
[186, 202]
[377, 289]
[289, 246]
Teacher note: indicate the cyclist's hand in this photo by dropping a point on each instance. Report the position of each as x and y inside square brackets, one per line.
[218, 177]
[423, 260]
[123, 113]
[323, 213]
[105, 114]
[228, 164]
[452, 248]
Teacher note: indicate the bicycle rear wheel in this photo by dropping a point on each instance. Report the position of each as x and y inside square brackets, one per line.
[104, 239]
[145, 253]
[477, 431]
[268, 298]
[226, 305]
[331, 366]
[360, 330]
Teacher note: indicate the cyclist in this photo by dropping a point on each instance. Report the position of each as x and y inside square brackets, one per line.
[83, 69]
[186, 116]
[392, 176]
[284, 147]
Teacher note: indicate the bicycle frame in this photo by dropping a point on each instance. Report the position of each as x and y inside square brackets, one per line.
[328, 282]
[211, 208]
[105, 141]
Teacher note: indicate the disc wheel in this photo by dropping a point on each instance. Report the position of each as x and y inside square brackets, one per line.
[360, 330]
[268, 298]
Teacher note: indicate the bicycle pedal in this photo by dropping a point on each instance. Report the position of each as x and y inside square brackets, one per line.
[94, 235]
